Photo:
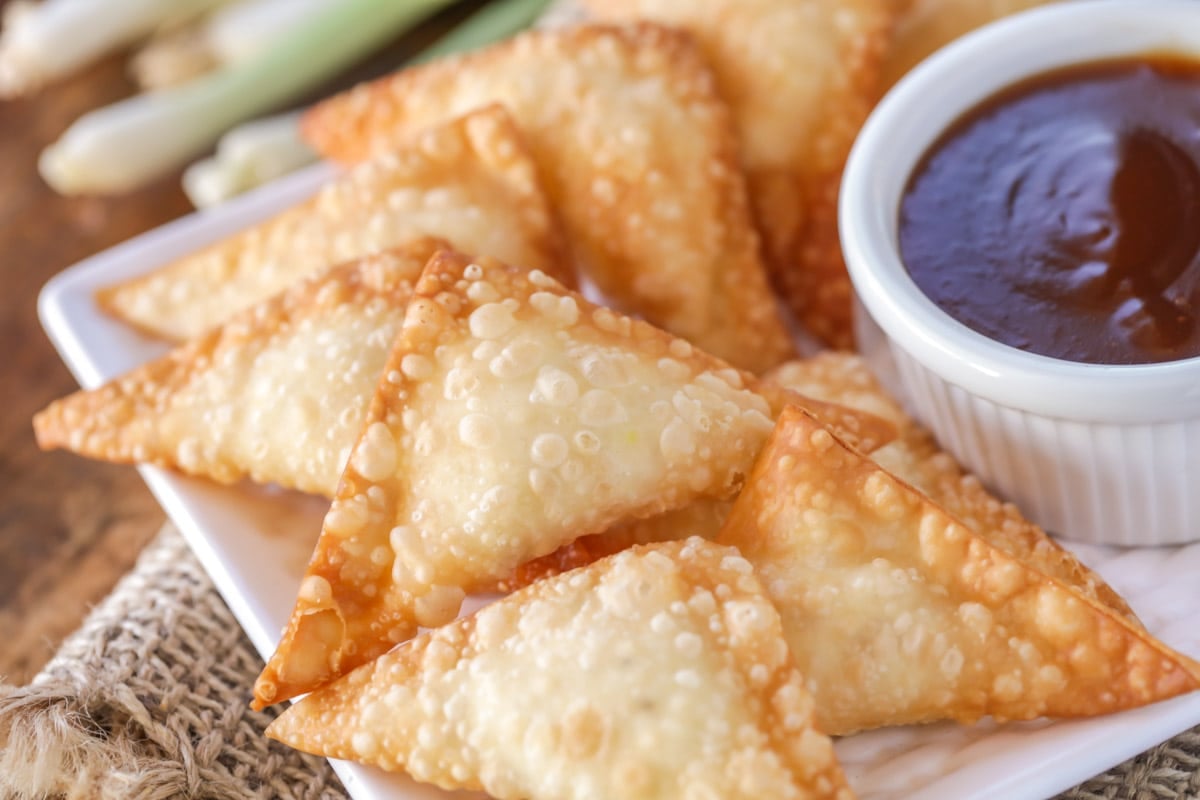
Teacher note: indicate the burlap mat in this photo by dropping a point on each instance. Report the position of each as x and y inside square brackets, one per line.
[148, 700]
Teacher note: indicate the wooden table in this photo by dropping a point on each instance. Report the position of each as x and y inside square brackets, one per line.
[69, 527]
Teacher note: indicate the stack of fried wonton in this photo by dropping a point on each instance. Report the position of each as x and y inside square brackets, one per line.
[712, 557]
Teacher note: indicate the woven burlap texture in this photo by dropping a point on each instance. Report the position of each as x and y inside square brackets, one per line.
[148, 700]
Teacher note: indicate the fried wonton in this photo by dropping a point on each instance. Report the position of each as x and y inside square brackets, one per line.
[470, 181]
[513, 417]
[801, 77]
[898, 613]
[927, 25]
[636, 150]
[915, 458]
[704, 517]
[278, 394]
[842, 378]
[660, 672]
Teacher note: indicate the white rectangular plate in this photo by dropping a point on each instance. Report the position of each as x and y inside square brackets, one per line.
[255, 543]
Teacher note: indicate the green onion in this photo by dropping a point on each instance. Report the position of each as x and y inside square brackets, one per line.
[48, 40]
[123, 145]
[172, 57]
[495, 21]
[251, 154]
[240, 30]
[230, 34]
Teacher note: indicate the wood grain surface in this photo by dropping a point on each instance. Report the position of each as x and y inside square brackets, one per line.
[69, 528]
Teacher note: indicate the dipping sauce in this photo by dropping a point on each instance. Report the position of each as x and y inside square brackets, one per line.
[1062, 216]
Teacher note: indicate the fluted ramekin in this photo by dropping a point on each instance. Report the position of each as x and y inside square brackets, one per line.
[1096, 453]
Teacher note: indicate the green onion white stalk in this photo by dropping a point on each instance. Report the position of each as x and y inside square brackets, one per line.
[122, 146]
[495, 21]
[238, 31]
[251, 154]
[172, 57]
[233, 33]
[44, 41]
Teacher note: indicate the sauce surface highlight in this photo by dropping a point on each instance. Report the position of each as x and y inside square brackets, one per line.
[1062, 216]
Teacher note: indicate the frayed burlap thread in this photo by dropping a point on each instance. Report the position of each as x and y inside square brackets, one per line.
[148, 700]
[1170, 771]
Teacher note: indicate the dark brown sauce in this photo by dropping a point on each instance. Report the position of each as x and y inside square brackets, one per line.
[1062, 216]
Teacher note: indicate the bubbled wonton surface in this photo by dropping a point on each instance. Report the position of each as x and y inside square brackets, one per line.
[660, 672]
[637, 152]
[800, 77]
[897, 613]
[822, 385]
[915, 458]
[469, 181]
[514, 417]
[278, 393]
[703, 518]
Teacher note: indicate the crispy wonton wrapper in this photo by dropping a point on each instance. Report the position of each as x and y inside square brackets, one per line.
[842, 378]
[277, 394]
[916, 459]
[897, 613]
[703, 518]
[470, 181]
[513, 417]
[689, 692]
[838, 378]
[801, 77]
[637, 152]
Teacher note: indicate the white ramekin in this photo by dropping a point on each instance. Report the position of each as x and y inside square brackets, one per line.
[1106, 454]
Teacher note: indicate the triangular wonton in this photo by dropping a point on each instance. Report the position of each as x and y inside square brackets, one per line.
[470, 181]
[660, 672]
[638, 153]
[916, 459]
[278, 393]
[513, 418]
[800, 77]
[897, 613]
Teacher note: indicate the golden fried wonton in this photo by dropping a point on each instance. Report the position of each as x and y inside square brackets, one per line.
[801, 77]
[843, 378]
[279, 393]
[470, 181]
[513, 417]
[659, 672]
[703, 517]
[833, 378]
[927, 25]
[915, 458]
[637, 152]
[897, 613]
